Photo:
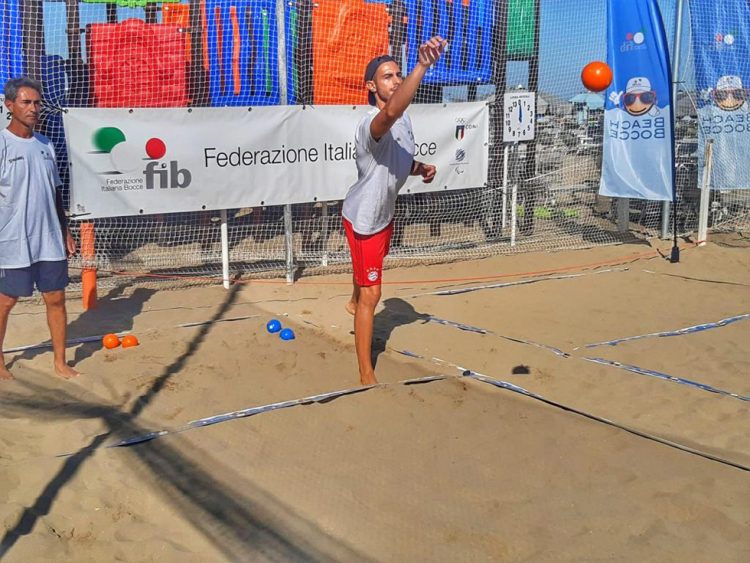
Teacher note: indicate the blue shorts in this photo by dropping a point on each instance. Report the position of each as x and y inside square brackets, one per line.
[46, 276]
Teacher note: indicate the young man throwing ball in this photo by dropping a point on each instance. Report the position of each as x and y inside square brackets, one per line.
[385, 158]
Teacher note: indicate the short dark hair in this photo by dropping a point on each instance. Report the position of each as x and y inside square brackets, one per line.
[13, 85]
[374, 65]
[372, 68]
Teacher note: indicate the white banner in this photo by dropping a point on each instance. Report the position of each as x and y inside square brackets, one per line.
[4, 113]
[142, 161]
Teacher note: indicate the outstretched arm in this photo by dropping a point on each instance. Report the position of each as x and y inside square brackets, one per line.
[395, 107]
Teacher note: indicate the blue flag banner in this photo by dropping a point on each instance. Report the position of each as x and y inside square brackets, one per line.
[721, 47]
[637, 153]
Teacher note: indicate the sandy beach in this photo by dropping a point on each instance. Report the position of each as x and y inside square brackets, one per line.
[450, 469]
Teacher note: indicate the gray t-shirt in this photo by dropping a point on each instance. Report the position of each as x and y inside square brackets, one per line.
[382, 166]
[29, 226]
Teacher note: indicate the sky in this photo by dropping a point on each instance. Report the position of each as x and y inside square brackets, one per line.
[572, 33]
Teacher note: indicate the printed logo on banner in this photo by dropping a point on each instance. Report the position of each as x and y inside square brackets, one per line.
[725, 41]
[462, 127]
[634, 41]
[137, 166]
[639, 98]
[459, 160]
[729, 94]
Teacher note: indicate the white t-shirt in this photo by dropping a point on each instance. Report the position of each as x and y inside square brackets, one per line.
[29, 226]
[383, 166]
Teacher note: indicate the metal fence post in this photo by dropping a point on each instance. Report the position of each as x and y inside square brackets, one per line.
[283, 97]
[676, 48]
[224, 249]
[705, 193]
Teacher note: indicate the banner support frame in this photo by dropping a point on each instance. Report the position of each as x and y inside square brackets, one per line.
[514, 194]
[224, 249]
[506, 154]
[676, 48]
[705, 194]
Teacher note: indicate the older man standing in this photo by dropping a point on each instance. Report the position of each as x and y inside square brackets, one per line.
[34, 238]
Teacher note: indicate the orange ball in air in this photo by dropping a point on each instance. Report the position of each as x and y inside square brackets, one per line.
[110, 341]
[596, 76]
[129, 340]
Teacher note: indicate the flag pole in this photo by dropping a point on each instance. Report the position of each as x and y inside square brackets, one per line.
[677, 47]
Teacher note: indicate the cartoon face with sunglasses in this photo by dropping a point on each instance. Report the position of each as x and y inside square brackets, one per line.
[639, 98]
[729, 95]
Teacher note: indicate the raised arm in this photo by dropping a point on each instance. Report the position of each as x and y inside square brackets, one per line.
[429, 53]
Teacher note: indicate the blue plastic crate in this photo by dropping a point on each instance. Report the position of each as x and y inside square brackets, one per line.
[468, 30]
[53, 76]
[291, 17]
[258, 53]
[11, 57]
[52, 69]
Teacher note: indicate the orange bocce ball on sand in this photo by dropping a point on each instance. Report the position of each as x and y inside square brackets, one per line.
[129, 340]
[110, 341]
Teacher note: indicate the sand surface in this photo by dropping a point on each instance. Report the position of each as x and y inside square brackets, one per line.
[448, 470]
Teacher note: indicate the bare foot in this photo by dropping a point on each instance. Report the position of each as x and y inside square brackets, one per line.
[5, 375]
[368, 379]
[350, 307]
[65, 371]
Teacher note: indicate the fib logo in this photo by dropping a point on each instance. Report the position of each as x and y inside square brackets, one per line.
[128, 157]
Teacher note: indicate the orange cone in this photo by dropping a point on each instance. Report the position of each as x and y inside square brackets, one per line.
[88, 258]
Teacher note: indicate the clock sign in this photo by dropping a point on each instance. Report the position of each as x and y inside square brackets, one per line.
[519, 116]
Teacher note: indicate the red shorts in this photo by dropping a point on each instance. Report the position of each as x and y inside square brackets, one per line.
[368, 252]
